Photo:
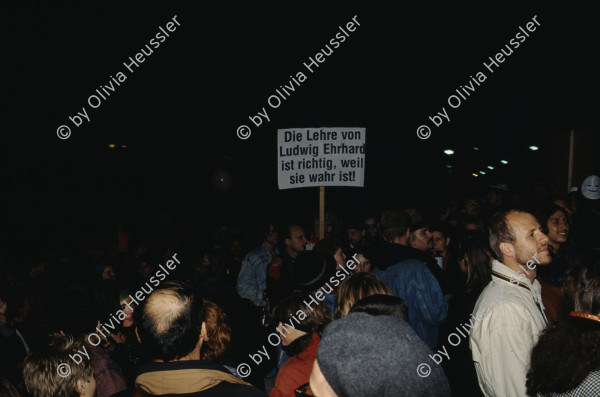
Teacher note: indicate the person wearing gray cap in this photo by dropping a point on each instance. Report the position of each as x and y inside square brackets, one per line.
[362, 355]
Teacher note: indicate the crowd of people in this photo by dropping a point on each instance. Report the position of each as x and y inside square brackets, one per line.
[495, 296]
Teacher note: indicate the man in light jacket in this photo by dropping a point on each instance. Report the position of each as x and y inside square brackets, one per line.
[509, 314]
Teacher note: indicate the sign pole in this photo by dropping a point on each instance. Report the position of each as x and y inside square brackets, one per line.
[571, 146]
[321, 212]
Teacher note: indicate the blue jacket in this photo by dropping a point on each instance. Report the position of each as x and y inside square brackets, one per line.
[252, 280]
[411, 280]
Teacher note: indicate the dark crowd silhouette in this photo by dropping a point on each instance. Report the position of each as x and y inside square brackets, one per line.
[493, 293]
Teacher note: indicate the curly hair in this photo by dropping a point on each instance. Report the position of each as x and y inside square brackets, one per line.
[218, 333]
[355, 288]
[568, 350]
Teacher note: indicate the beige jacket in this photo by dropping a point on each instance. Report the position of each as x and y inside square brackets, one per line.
[508, 318]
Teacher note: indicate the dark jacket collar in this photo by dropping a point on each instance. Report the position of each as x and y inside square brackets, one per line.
[393, 253]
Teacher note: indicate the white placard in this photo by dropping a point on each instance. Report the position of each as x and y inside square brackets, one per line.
[322, 156]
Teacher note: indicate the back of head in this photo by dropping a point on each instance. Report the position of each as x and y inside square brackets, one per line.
[170, 321]
[43, 369]
[568, 350]
[582, 284]
[218, 336]
[355, 288]
[356, 364]
[394, 223]
[382, 305]
[474, 251]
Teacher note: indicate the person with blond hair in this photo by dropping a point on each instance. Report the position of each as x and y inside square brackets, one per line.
[356, 287]
[51, 372]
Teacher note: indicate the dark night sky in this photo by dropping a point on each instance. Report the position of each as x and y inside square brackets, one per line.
[178, 113]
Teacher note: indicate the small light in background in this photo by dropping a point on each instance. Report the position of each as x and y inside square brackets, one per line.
[490, 167]
[475, 175]
[449, 152]
[482, 172]
[124, 146]
[112, 145]
[475, 148]
[504, 161]
[534, 148]
[448, 166]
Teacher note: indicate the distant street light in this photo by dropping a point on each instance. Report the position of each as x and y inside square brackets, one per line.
[449, 152]
[504, 161]
[534, 148]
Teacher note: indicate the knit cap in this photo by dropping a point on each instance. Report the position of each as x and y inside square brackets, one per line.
[362, 355]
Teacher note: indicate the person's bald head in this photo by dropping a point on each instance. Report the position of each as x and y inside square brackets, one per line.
[170, 321]
[164, 307]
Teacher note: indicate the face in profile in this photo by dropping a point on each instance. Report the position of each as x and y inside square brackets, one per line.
[531, 243]
[340, 257]
[423, 239]
[297, 239]
[108, 273]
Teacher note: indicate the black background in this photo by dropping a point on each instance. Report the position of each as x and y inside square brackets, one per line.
[178, 113]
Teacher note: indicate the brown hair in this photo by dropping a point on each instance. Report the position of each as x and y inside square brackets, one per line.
[355, 288]
[500, 232]
[473, 250]
[218, 333]
[41, 371]
[568, 350]
[317, 316]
